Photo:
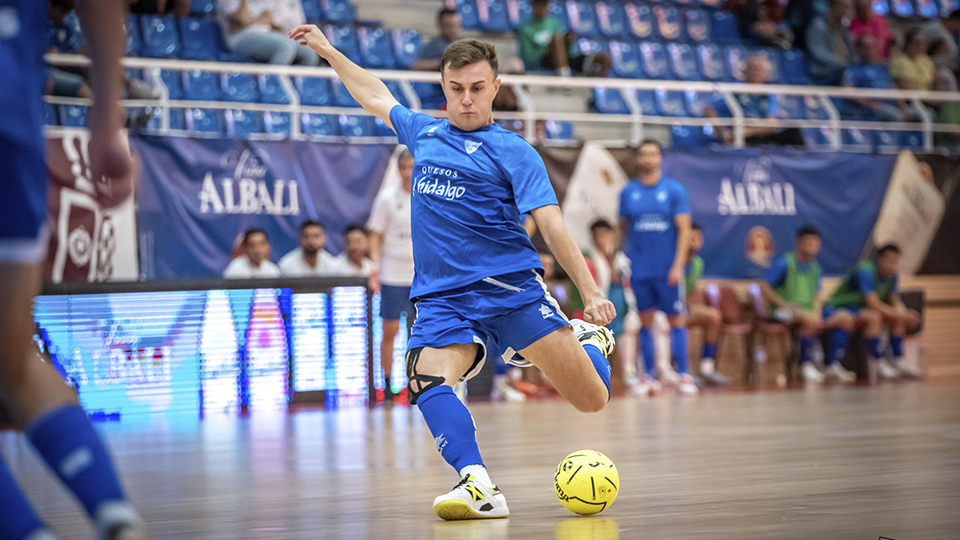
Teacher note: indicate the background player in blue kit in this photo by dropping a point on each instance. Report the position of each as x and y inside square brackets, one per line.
[655, 220]
[477, 276]
[40, 402]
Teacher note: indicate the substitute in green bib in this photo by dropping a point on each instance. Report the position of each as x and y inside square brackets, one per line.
[869, 292]
[699, 314]
[793, 288]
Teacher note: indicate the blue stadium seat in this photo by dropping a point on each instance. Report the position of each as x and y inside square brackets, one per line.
[946, 7]
[430, 94]
[881, 7]
[493, 16]
[793, 106]
[816, 138]
[312, 10]
[712, 4]
[683, 62]
[341, 96]
[590, 46]
[354, 125]
[159, 35]
[686, 3]
[203, 7]
[201, 85]
[611, 19]
[559, 130]
[887, 141]
[626, 59]
[583, 18]
[338, 10]
[240, 87]
[406, 47]
[469, 18]
[725, 31]
[50, 115]
[794, 67]
[814, 108]
[712, 65]
[928, 9]
[382, 129]
[344, 38]
[271, 91]
[376, 48]
[199, 38]
[697, 23]
[205, 121]
[177, 120]
[173, 80]
[558, 9]
[314, 91]
[639, 19]
[696, 101]
[669, 24]
[735, 56]
[518, 11]
[670, 102]
[902, 8]
[911, 139]
[242, 123]
[323, 125]
[648, 102]
[773, 57]
[134, 43]
[691, 137]
[397, 91]
[276, 123]
[609, 101]
[653, 59]
[856, 140]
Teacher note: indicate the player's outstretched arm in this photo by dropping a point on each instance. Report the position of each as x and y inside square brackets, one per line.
[368, 90]
[597, 309]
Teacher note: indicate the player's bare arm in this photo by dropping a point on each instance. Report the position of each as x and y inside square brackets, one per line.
[597, 309]
[369, 91]
[376, 249]
[683, 222]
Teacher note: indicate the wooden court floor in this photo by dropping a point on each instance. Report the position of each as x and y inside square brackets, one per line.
[826, 463]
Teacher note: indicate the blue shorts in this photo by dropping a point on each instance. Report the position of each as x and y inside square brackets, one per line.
[394, 301]
[828, 311]
[503, 315]
[23, 207]
[654, 293]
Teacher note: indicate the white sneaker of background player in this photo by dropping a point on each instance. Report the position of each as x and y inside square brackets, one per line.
[907, 371]
[646, 387]
[687, 386]
[811, 373]
[669, 377]
[502, 391]
[886, 370]
[837, 372]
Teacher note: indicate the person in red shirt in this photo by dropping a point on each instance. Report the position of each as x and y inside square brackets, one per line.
[866, 21]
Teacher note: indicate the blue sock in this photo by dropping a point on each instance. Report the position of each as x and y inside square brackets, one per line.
[451, 425]
[838, 345]
[806, 345]
[709, 351]
[678, 345]
[17, 518]
[646, 350]
[600, 363]
[873, 343]
[896, 346]
[68, 443]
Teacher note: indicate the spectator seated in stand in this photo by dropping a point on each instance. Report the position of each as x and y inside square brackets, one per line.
[761, 21]
[255, 260]
[258, 29]
[449, 27]
[545, 44]
[945, 35]
[829, 45]
[912, 69]
[354, 260]
[310, 259]
[64, 38]
[867, 22]
[756, 71]
[870, 73]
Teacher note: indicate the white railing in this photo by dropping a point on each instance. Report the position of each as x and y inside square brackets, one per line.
[531, 111]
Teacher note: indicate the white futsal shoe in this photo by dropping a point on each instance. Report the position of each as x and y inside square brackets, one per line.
[600, 336]
[471, 500]
[686, 386]
[811, 373]
[908, 372]
[837, 372]
[886, 370]
[646, 386]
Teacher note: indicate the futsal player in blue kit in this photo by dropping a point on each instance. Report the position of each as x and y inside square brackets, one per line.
[41, 404]
[655, 221]
[477, 276]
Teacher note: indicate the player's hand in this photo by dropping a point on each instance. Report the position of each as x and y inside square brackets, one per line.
[675, 276]
[374, 281]
[311, 36]
[111, 167]
[911, 318]
[599, 311]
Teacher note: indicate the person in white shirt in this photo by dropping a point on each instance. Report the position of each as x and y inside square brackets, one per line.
[257, 28]
[255, 263]
[310, 259]
[354, 261]
[391, 250]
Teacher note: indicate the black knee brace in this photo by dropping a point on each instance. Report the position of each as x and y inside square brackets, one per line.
[419, 383]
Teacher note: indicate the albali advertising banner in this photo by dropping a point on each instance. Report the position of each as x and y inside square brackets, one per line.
[87, 242]
[197, 196]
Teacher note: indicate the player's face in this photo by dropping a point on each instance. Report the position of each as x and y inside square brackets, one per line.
[258, 249]
[406, 172]
[696, 241]
[649, 158]
[809, 245]
[312, 240]
[470, 91]
[888, 263]
[356, 245]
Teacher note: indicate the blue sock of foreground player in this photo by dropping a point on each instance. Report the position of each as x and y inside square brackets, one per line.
[873, 344]
[806, 346]
[454, 431]
[600, 363]
[838, 345]
[678, 345]
[896, 346]
[17, 518]
[68, 443]
[646, 350]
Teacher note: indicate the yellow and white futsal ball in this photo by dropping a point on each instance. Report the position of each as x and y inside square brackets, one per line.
[586, 482]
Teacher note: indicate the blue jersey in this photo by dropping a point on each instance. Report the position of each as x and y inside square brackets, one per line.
[651, 212]
[468, 191]
[23, 175]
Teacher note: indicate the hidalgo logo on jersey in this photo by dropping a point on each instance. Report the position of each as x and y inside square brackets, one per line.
[471, 146]
[435, 188]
